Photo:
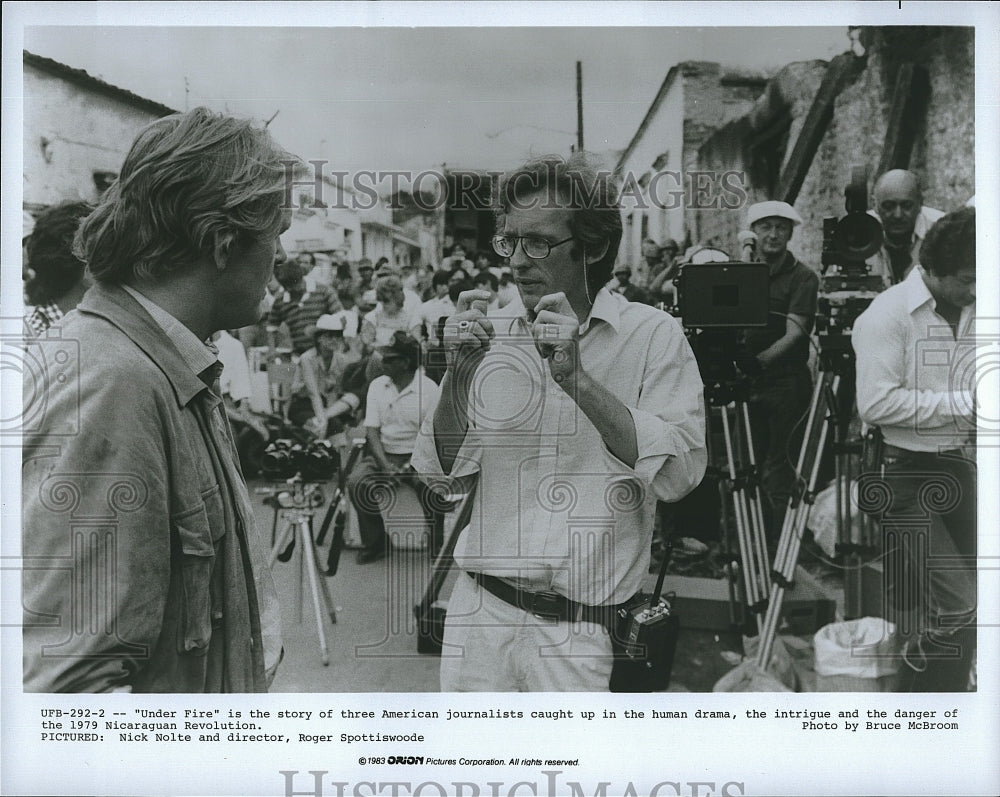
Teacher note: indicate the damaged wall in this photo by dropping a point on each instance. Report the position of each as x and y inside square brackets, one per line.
[943, 150]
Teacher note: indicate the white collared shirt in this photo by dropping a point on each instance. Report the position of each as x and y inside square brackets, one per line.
[432, 310]
[196, 353]
[398, 414]
[554, 508]
[915, 378]
[235, 377]
[881, 264]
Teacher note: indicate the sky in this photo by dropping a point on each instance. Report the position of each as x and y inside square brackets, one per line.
[415, 98]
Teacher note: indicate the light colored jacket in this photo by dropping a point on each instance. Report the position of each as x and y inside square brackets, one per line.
[143, 569]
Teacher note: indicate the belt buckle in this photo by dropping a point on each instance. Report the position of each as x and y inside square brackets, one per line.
[539, 600]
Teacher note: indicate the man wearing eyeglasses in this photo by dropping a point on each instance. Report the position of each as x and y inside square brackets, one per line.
[577, 409]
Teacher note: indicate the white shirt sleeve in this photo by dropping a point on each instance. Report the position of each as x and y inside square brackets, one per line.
[373, 407]
[885, 397]
[669, 417]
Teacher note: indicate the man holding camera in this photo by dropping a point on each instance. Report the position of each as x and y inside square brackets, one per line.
[398, 402]
[573, 412]
[143, 568]
[911, 345]
[777, 357]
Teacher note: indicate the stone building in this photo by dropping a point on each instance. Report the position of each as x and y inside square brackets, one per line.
[906, 101]
[661, 188]
[77, 131]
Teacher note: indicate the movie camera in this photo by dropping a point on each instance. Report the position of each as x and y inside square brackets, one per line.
[317, 461]
[847, 287]
[718, 298]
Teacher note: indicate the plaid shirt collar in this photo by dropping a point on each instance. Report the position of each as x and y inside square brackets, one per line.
[43, 316]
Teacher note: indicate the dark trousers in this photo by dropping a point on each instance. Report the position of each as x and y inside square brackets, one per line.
[777, 406]
[926, 505]
[372, 489]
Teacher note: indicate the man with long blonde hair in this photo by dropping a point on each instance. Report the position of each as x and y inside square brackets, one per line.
[148, 572]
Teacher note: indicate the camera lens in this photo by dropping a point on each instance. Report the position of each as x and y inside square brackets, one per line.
[276, 460]
[319, 461]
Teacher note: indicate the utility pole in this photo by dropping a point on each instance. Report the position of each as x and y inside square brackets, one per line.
[187, 90]
[579, 106]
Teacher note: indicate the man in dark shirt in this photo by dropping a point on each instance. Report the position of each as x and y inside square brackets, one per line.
[625, 286]
[782, 385]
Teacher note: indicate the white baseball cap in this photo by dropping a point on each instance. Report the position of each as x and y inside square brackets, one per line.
[772, 208]
[330, 322]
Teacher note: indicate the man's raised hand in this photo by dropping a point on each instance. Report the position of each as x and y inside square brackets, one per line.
[468, 334]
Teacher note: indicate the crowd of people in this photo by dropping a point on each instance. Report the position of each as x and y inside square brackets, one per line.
[537, 378]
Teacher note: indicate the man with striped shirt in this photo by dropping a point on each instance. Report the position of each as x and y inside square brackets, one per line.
[300, 305]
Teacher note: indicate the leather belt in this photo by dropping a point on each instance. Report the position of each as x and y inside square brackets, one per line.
[545, 605]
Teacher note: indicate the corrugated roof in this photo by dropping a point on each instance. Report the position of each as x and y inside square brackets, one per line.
[83, 78]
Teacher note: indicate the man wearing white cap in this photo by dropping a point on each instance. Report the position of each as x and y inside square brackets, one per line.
[319, 389]
[778, 355]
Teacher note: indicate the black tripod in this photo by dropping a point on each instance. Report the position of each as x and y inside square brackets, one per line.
[834, 392]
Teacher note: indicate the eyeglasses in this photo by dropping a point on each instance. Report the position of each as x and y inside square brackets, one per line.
[535, 248]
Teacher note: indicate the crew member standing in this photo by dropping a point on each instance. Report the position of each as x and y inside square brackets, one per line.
[911, 345]
[899, 206]
[778, 358]
[571, 411]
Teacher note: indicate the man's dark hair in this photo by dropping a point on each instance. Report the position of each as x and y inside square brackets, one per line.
[406, 346]
[441, 277]
[950, 245]
[50, 252]
[454, 291]
[576, 183]
[346, 296]
[289, 274]
[486, 276]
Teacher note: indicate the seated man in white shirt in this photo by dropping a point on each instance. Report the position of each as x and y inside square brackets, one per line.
[573, 413]
[911, 344]
[398, 402]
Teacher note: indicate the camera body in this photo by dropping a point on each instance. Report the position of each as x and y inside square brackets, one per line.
[716, 302]
[723, 295]
[316, 461]
[847, 243]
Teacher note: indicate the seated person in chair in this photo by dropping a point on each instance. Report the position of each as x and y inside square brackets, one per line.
[320, 395]
[398, 401]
